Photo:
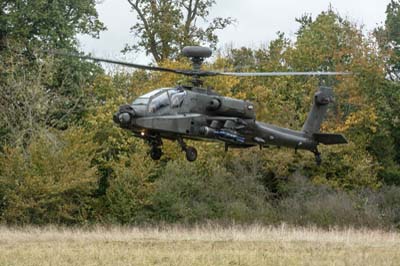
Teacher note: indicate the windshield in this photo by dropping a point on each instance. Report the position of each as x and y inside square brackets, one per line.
[149, 94]
[144, 99]
[141, 101]
[159, 102]
[160, 99]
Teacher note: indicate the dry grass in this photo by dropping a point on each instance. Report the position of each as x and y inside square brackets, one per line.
[203, 245]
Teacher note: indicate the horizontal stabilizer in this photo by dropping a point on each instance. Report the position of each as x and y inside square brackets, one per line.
[329, 139]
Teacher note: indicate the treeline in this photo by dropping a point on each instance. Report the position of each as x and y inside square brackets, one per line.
[64, 161]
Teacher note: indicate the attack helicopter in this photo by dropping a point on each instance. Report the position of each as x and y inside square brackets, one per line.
[198, 113]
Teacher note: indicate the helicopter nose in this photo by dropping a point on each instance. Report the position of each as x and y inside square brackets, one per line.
[124, 116]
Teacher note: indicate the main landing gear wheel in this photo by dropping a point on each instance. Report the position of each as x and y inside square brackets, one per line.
[155, 153]
[191, 154]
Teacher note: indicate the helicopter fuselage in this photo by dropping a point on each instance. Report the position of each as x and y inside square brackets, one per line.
[201, 114]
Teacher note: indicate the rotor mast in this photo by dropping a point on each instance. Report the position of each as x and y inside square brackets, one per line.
[197, 55]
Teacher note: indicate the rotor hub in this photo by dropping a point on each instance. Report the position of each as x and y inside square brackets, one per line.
[197, 54]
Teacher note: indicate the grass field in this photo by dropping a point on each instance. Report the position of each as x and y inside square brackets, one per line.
[203, 245]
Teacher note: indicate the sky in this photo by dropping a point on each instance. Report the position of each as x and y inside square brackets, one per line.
[258, 21]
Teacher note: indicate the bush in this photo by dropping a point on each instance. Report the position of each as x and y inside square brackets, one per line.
[51, 181]
[323, 206]
[389, 202]
[128, 196]
[195, 192]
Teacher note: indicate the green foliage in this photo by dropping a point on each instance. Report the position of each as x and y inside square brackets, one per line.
[71, 98]
[325, 43]
[47, 23]
[51, 181]
[206, 190]
[41, 93]
[24, 100]
[388, 37]
[306, 203]
[27, 29]
[128, 195]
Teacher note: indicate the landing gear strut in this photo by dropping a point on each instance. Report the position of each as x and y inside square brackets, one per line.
[318, 158]
[191, 152]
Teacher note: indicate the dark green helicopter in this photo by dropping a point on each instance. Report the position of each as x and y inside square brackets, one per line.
[194, 112]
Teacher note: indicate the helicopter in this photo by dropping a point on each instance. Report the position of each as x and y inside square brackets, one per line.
[198, 113]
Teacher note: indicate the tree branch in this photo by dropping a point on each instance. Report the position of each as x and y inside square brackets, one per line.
[152, 41]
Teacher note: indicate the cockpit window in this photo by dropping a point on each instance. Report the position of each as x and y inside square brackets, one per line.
[141, 101]
[152, 93]
[177, 97]
[144, 99]
[159, 102]
[161, 98]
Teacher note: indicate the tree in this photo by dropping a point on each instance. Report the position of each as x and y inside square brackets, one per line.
[164, 27]
[26, 29]
[24, 101]
[388, 140]
[53, 23]
[388, 37]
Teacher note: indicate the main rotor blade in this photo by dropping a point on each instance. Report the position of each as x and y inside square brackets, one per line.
[278, 74]
[200, 73]
[138, 66]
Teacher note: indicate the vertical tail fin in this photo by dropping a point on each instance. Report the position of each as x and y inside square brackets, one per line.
[322, 98]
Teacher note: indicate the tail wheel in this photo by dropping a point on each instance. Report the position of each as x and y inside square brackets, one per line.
[155, 153]
[191, 154]
[318, 158]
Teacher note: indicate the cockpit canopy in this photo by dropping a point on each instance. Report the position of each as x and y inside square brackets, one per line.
[160, 99]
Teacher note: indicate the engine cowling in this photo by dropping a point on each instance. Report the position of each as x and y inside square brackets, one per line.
[214, 105]
[226, 106]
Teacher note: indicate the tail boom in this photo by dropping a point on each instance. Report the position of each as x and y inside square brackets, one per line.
[316, 116]
[311, 127]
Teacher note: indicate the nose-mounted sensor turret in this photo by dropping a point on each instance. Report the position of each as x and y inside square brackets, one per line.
[124, 116]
